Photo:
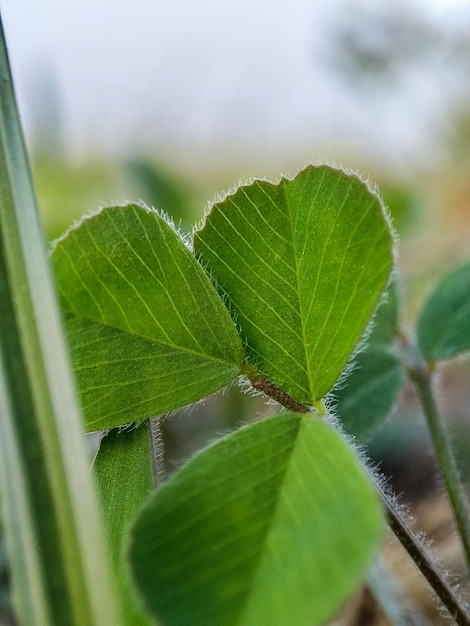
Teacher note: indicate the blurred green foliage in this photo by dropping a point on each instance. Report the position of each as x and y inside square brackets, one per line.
[162, 190]
[67, 190]
[6, 617]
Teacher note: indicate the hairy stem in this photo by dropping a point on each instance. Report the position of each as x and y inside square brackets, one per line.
[261, 384]
[423, 561]
[157, 450]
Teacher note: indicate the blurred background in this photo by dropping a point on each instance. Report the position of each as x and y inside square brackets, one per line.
[175, 102]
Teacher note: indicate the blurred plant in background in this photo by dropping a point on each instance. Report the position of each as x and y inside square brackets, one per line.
[6, 617]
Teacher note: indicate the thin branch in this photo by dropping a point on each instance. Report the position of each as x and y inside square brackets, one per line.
[421, 373]
[417, 551]
[157, 450]
[261, 384]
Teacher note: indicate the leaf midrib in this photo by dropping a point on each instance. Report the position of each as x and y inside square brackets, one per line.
[261, 553]
[173, 346]
[297, 290]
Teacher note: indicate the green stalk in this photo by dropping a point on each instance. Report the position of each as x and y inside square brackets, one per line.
[421, 373]
[426, 565]
[422, 378]
[123, 468]
[58, 558]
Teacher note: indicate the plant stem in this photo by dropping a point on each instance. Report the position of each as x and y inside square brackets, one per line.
[269, 389]
[157, 450]
[261, 384]
[421, 375]
[423, 561]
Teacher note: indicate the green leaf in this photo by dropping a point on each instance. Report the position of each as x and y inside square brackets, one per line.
[55, 542]
[148, 331]
[369, 393]
[444, 323]
[303, 264]
[274, 524]
[386, 319]
[159, 188]
[124, 475]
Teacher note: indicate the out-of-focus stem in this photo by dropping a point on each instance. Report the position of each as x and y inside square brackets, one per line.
[421, 374]
[423, 561]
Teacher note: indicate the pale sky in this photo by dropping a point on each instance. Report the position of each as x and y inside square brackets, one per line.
[147, 74]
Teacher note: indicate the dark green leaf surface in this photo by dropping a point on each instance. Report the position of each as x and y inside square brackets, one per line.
[123, 470]
[444, 323]
[274, 524]
[369, 393]
[148, 331]
[303, 264]
[386, 319]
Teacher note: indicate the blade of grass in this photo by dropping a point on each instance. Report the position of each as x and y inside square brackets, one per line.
[58, 559]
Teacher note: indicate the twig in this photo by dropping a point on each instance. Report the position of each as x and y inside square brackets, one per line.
[421, 374]
[423, 561]
[447, 462]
